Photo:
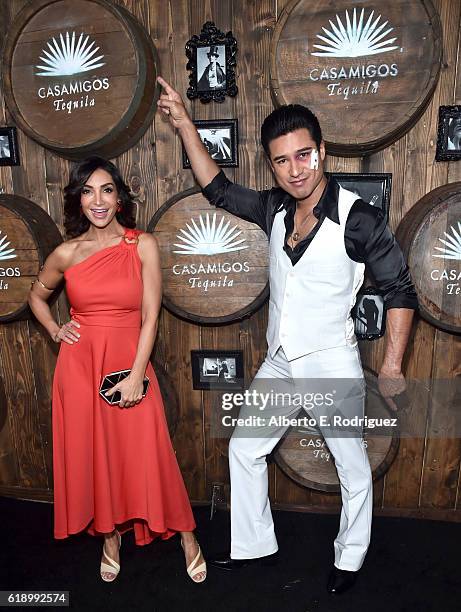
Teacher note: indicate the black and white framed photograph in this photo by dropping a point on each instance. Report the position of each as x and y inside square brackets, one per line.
[211, 62]
[369, 314]
[9, 155]
[217, 369]
[374, 188]
[449, 134]
[211, 67]
[220, 137]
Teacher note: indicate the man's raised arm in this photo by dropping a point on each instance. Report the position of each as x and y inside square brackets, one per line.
[245, 203]
[171, 104]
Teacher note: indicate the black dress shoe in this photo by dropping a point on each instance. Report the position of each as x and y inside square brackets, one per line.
[225, 562]
[340, 580]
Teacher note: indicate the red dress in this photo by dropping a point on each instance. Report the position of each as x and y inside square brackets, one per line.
[112, 466]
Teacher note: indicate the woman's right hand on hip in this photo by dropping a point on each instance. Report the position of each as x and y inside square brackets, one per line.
[68, 333]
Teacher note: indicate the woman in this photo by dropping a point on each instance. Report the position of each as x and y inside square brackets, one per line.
[114, 466]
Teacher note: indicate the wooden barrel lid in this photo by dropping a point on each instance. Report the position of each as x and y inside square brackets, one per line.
[80, 76]
[27, 236]
[214, 265]
[306, 459]
[366, 70]
[430, 237]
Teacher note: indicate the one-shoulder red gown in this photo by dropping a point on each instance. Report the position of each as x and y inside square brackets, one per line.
[113, 467]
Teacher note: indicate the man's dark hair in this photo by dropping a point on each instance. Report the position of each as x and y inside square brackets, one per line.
[75, 223]
[286, 119]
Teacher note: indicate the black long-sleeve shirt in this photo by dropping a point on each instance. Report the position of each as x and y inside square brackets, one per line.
[367, 236]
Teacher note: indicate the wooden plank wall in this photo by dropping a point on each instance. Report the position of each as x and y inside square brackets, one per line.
[424, 480]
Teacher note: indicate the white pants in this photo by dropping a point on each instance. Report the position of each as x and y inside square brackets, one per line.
[252, 527]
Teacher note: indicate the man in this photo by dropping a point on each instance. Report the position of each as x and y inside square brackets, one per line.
[321, 236]
[223, 370]
[217, 146]
[370, 311]
[213, 76]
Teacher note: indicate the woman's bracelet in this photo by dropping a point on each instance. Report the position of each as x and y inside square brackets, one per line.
[37, 280]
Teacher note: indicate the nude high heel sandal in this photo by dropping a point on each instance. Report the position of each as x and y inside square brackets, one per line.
[114, 567]
[195, 571]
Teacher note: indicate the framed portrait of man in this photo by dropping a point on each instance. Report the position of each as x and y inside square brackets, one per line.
[211, 62]
[449, 134]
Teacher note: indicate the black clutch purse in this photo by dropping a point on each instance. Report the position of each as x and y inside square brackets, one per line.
[110, 380]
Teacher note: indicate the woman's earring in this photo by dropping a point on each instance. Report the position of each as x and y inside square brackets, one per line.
[119, 207]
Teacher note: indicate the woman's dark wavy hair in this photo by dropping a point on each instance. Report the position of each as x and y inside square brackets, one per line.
[286, 119]
[75, 223]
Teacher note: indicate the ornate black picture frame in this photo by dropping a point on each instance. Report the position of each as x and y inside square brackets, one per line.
[449, 134]
[220, 137]
[374, 188]
[217, 370]
[369, 314]
[212, 57]
[9, 154]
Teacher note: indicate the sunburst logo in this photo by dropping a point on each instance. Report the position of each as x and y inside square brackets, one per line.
[5, 252]
[208, 238]
[452, 248]
[66, 56]
[355, 37]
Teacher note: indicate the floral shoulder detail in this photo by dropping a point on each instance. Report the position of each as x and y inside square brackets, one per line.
[131, 236]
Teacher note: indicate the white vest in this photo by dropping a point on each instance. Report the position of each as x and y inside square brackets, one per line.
[310, 303]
